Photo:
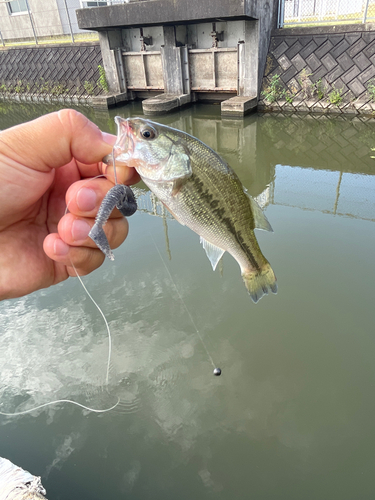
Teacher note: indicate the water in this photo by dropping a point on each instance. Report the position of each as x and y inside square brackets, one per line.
[291, 416]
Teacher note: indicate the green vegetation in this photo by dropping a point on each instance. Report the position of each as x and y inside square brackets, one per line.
[335, 96]
[102, 82]
[371, 89]
[89, 87]
[78, 37]
[274, 91]
[288, 97]
[307, 87]
[319, 89]
[59, 89]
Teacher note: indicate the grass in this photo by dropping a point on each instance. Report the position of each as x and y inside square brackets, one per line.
[335, 96]
[371, 89]
[274, 91]
[78, 37]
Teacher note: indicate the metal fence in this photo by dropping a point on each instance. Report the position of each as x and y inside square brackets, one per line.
[322, 12]
[35, 21]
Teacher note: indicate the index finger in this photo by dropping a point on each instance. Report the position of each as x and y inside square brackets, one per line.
[52, 140]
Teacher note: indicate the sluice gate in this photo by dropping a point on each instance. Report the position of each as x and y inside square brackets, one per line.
[174, 53]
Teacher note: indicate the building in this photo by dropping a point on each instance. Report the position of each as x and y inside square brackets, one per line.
[30, 19]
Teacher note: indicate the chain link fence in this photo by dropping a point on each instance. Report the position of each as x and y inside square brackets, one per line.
[323, 12]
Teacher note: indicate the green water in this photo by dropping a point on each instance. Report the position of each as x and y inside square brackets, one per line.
[291, 417]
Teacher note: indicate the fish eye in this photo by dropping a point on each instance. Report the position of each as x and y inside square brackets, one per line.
[148, 133]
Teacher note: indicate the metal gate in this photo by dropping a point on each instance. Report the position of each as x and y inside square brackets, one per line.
[143, 70]
[213, 70]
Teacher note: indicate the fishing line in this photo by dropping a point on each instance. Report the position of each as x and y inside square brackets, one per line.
[114, 165]
[217, 371]
[109, 343]
[56, 402]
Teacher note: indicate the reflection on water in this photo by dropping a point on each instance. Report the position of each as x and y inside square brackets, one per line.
[292, 414]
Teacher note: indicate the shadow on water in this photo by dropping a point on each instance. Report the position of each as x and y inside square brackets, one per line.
[291, 416]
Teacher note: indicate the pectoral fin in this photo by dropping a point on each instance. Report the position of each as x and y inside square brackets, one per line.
[213, 252]
[260, 220]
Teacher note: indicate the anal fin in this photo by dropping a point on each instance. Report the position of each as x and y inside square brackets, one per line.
[213, 252]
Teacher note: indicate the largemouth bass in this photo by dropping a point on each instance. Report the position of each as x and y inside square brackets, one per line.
[202, 192]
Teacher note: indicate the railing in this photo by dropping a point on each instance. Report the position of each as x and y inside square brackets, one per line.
[323, 12]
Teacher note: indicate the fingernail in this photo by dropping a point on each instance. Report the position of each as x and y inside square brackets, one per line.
[60, 248]
[109, 138]
[86, 199]
[80, 230]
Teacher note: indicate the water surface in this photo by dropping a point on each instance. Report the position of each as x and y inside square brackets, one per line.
[292, 415]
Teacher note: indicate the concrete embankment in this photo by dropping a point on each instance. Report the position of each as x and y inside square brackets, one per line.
[325, 69]
[63, 72]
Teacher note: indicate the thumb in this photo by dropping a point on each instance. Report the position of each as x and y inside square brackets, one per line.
[52, 140]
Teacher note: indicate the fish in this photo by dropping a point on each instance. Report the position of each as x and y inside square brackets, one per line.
[201, 191]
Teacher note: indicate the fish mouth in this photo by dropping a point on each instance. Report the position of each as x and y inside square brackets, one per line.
[123, 148]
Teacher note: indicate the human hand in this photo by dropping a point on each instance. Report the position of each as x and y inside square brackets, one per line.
[45, 165]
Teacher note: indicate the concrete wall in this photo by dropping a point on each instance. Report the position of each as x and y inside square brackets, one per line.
[340, 57]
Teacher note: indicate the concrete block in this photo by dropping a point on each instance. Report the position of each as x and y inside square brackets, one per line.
[284, 62]
[323, 49]
[333, 75]
[339, 49]
[308, 49]
[108, 101]
[313, 62]
[345, 61]
[289, 74]
[298, 62]
[164, 103]
[293, 50]
[357, 47]
[367, 75]
[329, 62]
[370, 49]
[351, 74]
[238, 106]
[356, 87]
[288, 107]
[361, 61]
[280, 49]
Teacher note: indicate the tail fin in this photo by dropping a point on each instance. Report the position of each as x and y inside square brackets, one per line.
[259, 282]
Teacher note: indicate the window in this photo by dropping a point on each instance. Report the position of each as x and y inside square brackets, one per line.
[17, 6]
[95, 4]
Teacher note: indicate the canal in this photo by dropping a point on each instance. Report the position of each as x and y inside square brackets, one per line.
[292, 415]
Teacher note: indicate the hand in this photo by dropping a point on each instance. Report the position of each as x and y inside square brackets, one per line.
[45, 165]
